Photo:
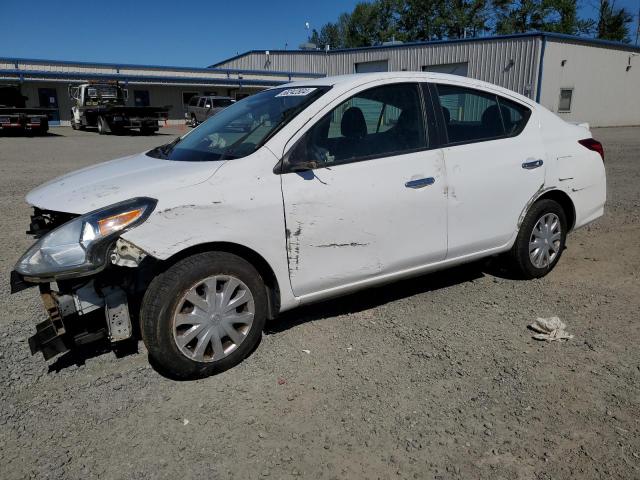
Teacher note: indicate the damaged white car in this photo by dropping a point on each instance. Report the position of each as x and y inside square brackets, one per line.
[297, 194]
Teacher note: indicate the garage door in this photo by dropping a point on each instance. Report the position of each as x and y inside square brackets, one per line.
[450, 68]
[377, 66]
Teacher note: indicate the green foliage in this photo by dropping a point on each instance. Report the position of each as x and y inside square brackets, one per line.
[379, 21]
[613, 23]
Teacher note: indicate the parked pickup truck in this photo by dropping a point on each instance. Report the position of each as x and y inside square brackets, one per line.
[15, 116]
[103, 105]
[201, 108]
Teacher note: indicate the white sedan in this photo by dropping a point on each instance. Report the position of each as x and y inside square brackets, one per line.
[297, 194]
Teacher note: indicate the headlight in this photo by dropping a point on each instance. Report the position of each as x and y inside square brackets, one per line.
[79, 247]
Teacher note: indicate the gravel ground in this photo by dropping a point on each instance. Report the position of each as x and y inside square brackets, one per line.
[436, 377]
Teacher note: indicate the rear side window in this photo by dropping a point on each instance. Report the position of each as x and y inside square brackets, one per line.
[221, 102]
[471, 115]
[382, 121]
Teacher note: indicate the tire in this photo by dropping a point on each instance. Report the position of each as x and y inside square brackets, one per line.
[102, 126]
[182, 349]
[74, 125]
[527, 261]
[194, 121]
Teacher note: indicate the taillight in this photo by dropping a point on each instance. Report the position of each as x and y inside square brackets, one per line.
[594, 145]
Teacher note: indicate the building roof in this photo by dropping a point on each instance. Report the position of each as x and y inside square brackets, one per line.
[24, 69]
[546, 35]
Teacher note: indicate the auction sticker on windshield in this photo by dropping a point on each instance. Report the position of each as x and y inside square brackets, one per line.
[296, 92]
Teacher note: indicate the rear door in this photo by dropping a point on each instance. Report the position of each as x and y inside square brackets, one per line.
[495, 164]
[368, 198]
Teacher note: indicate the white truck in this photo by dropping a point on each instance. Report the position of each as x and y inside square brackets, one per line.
[103, 105]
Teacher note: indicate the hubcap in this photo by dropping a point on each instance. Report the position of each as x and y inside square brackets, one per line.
[544, 244]
[213, 318]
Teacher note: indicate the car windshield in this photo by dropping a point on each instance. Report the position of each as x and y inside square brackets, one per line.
[241, 128]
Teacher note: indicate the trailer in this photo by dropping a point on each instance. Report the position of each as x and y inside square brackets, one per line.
[103, 105]
[16, 117]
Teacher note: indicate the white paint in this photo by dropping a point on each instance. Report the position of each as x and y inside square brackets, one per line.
[353, 225]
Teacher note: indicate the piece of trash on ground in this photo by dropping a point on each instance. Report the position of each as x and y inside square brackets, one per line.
[307, 351]
[550, 329]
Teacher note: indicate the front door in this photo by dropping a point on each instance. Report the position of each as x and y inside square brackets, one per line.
[48, 98]
[373, 200]
[495, 164]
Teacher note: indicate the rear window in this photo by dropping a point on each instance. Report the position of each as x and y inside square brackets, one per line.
[472, 115]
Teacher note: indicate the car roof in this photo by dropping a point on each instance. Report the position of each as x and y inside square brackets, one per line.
[357, 79]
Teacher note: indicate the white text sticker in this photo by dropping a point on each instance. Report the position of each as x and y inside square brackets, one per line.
[295, 92]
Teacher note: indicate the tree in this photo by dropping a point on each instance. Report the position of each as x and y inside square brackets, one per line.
[465, 18]
[421, 20]
[522, 16]
[613, 23]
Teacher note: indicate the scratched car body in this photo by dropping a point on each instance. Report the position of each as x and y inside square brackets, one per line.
[297, 194]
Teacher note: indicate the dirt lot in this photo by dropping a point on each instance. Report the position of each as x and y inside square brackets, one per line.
[431, 378]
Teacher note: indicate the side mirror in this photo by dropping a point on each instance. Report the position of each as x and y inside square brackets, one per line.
[207, 105]
[297, 159]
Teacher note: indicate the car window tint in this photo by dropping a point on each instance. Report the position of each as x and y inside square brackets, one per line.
[514, 115]
[382, 121]
[470, 115]
[201, 102]
[193, 102]
[221, 102]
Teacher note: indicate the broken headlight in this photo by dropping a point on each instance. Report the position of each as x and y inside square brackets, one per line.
[80, 246]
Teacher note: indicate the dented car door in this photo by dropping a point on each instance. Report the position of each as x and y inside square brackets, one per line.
[364, 192]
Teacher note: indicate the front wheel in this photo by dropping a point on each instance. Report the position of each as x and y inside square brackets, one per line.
[102, 126]
[203, 315]
[540, 241]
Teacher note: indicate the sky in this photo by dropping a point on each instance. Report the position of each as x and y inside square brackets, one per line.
[192, 33]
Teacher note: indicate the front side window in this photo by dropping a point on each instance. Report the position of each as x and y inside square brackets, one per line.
[471, 115]
[242, 128]
[382, 121]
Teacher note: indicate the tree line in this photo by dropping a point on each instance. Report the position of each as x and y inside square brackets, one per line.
[380, 21]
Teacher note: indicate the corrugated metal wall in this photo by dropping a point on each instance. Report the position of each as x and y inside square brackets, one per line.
[511, 63]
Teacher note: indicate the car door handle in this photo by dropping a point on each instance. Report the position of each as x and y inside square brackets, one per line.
[420, 183]
[532, 164]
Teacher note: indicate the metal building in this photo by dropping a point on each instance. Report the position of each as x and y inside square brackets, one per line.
[581, 79]
[45, 83]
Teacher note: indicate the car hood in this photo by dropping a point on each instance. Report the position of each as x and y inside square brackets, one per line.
[106, 183]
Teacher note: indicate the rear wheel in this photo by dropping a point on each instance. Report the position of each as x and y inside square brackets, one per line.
[194, 121]
[540, 241]
[203, 315]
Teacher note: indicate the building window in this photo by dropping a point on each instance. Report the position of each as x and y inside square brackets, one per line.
[566, 95]
[377, 66]
[141, 98]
